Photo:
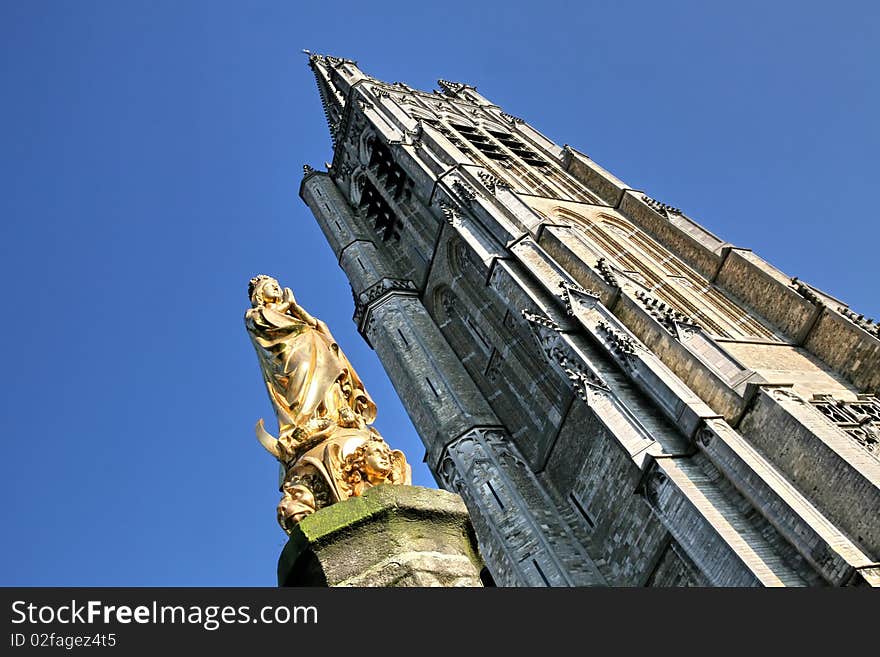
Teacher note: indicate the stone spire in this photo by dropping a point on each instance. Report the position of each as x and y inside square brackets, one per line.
[334, 77]
[682, 413]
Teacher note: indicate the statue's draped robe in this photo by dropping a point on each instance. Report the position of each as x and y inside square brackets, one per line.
[305, 371]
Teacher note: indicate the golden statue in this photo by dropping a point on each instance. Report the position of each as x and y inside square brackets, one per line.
[325, 441]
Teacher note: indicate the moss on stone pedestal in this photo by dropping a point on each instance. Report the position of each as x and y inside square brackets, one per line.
[390, 536]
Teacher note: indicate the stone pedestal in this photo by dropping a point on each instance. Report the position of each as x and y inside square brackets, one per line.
[390, 536]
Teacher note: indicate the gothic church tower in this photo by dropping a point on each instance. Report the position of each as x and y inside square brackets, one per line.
[620, 396]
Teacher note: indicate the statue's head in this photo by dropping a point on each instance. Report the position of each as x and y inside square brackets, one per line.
[298, 492]
[377, 459]
[264, 289]
[371, 460]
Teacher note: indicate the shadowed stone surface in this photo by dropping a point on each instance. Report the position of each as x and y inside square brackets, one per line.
[390, 536]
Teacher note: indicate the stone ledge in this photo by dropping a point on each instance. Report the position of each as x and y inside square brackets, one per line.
[423, 535]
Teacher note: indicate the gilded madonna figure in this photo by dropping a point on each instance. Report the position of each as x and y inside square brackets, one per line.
[324, 413]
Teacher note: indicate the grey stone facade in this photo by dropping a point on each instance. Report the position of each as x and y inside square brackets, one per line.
[619, 396]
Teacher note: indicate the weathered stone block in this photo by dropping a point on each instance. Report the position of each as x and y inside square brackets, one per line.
[390, 536]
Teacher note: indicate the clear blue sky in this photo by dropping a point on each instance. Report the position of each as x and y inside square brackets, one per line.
[150, 161]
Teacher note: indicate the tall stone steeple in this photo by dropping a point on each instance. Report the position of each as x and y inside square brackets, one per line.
[619, 395]
[334, 77]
